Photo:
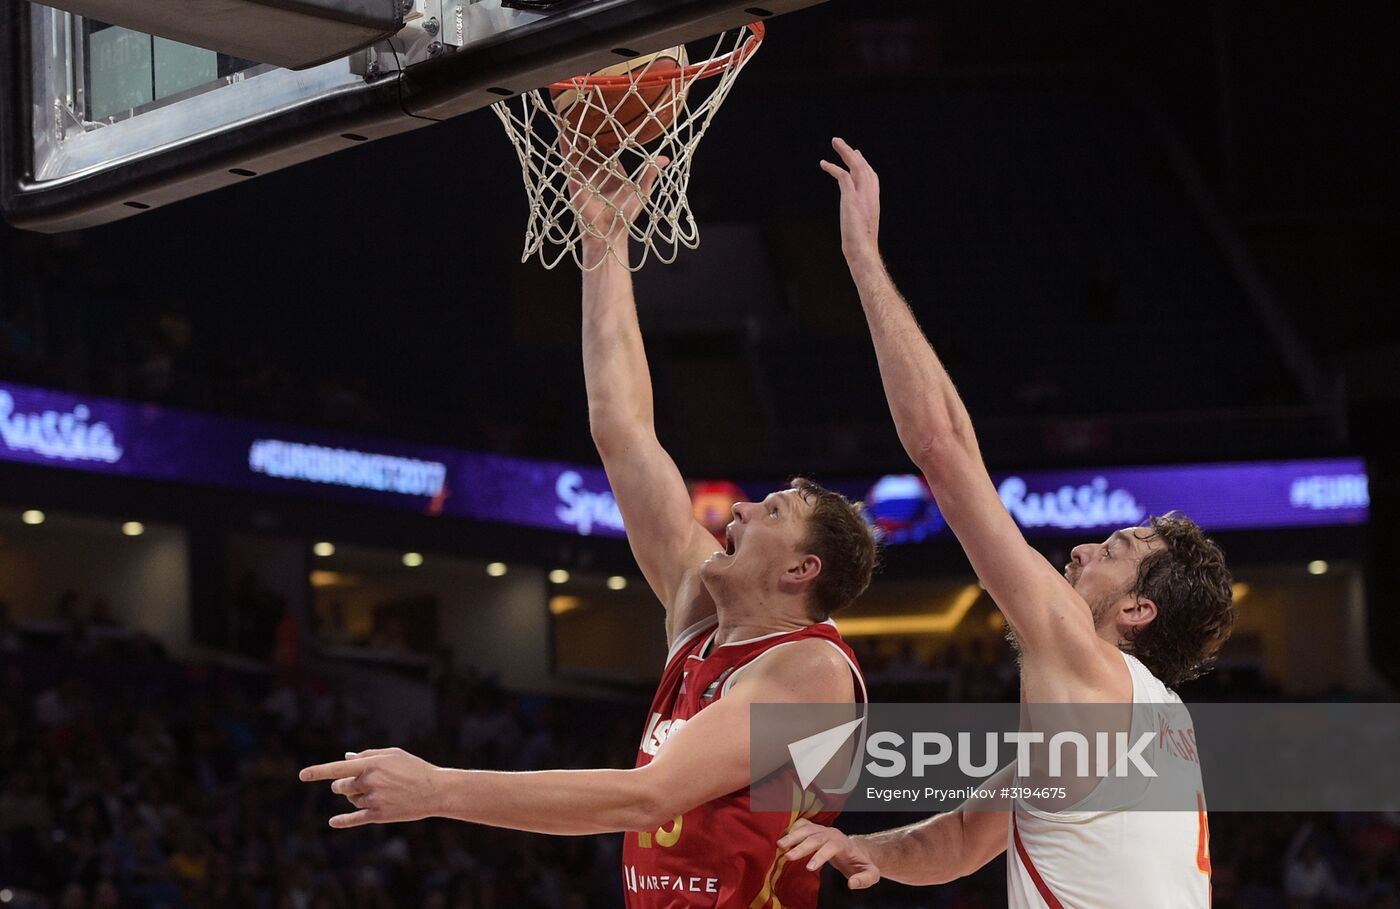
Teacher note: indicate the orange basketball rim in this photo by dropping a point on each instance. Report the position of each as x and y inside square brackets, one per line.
[658, 225]
[685, 74]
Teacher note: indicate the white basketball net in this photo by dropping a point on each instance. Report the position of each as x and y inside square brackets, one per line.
[665, 222]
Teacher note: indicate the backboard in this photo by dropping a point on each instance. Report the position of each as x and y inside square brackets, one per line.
[101, 123]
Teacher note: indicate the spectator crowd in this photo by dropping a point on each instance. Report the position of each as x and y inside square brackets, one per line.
[131, 779]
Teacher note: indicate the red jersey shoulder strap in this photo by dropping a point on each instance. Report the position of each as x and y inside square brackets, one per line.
[756, 648]
[691, 639]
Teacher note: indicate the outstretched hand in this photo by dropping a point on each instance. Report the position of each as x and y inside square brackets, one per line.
[860, 201]
[604, 197]
[386, 785]
[827, 844]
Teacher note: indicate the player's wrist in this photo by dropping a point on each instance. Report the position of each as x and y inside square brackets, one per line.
[865, 846]
[451, 795]
[863, 254]
[864, 260]
[596, 249]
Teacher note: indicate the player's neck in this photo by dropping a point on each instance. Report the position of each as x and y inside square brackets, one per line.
[1112, 634]
[745, 618]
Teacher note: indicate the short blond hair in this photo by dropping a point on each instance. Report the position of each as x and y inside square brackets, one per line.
[839, 535]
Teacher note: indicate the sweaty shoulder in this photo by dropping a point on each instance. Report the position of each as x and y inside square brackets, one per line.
[808, 670]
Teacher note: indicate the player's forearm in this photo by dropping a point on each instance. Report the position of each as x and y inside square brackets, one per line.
[615, 370]
[947, 846]
[561, 802]
[929, 852]
[928, 412]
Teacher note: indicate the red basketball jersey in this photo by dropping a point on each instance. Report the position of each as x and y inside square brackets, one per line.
[720, 853]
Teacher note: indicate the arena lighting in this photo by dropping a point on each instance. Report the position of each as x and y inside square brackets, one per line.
[561, 605]
[558, 576]
[32, 516]
[496, 569]
[939, 623]
[617, 582]
[6, 895]
[413, 559]
[133, 528]
[1317, 566]
[324, 550]
[320, 578]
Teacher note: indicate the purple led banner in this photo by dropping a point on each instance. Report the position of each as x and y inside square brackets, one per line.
[99, 435]
[1254, 496]
[140, 440]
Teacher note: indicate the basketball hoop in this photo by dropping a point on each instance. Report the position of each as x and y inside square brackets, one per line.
[619, 122]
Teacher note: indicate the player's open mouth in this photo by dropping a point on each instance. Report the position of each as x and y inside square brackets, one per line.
[728, 541]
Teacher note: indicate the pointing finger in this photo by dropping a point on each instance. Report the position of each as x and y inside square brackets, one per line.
[334, 770]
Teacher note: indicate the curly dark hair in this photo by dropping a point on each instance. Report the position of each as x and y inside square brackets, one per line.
[1191, 586]
[839, 535]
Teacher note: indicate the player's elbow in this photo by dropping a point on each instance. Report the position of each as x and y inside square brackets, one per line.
[660, 794]
[613, 431]
[942, 450]
[608, 438]
[654, 808]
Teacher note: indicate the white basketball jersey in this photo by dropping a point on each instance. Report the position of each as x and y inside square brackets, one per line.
[1111, 859]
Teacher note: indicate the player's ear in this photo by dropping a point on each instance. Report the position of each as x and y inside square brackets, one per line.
[1138, 614]
[802, 572]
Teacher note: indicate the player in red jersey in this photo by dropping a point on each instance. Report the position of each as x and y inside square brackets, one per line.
[748, 624]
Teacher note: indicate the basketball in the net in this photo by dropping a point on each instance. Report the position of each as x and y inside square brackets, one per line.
[641, 113]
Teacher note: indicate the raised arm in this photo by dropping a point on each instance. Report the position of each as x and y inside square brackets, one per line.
[936, 850]
[1051, 620]
[667, 541]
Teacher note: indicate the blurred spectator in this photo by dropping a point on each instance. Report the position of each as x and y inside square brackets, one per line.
[334, 630]
[131, 780]
[1308, 881]
[9, 631]
[906, 666]
[257, 611]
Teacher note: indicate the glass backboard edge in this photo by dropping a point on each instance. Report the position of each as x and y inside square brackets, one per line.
[580, 41]
[607, 32]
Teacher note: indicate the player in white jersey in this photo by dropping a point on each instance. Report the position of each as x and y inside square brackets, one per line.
[1142, 611]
